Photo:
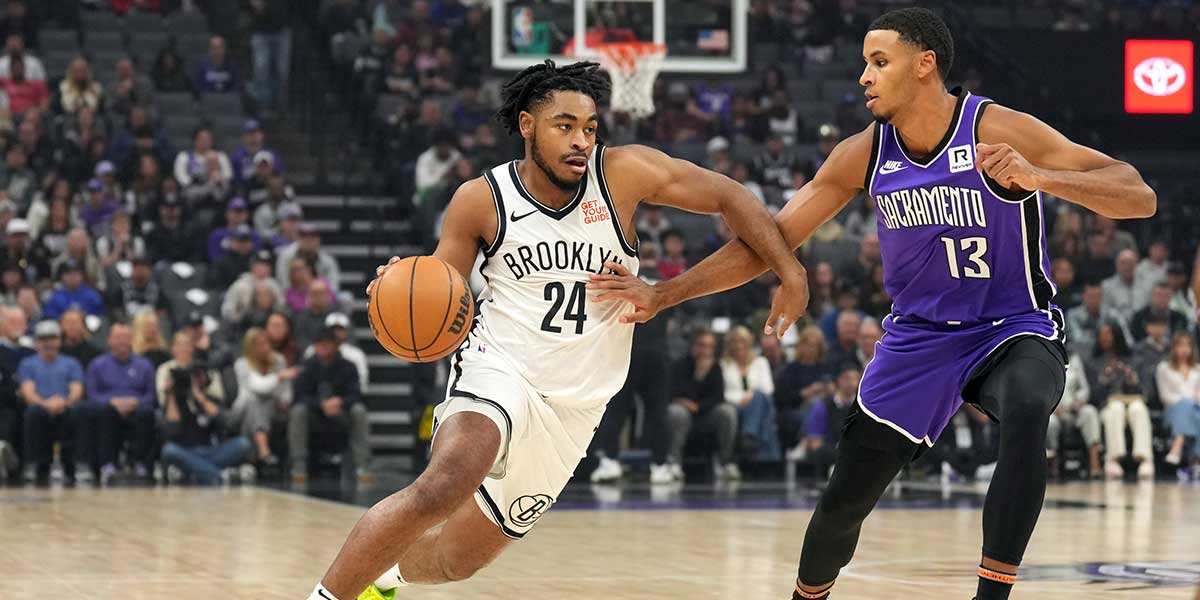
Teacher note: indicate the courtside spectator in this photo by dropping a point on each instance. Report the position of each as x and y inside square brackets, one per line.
[120, 389]
[264, 392]
[698, 408]
[1179, 390]
[328, 413]
[193, 419]
[52, 386]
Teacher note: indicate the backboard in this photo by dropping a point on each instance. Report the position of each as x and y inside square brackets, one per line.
[702, 36]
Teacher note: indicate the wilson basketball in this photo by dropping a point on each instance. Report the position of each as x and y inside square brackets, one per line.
[420, 309]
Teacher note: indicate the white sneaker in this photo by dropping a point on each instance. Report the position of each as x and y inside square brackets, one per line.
[8, 457]
[731, 472]
[246, 473]
[661, 474]
[609, 471]
[1146, 469]
[1113, 470]
[797, 453]
[677, 471]
[174, 474]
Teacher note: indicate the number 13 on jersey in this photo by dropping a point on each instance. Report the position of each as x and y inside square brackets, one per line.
[975, 247]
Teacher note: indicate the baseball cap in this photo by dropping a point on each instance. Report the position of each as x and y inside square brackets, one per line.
[105, 167]
[264, 255]
[289, 211]
[337, 319]
[95, 185]
[243, 232]
[46, 329]
[326, 335]
[69, 266]
[251, 125]
[16, 226]
[717, 144]
[262, 155]
[237, 204]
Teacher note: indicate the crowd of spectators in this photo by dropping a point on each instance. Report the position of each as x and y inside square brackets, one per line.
[413, 80]
[112, 242]
[101, 216]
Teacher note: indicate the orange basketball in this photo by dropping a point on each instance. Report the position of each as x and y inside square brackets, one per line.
[420, 309]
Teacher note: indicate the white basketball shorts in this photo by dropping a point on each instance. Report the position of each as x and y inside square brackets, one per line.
[541, 442]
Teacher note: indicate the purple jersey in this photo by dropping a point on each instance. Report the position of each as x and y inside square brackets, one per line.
[965, 264]
[956, 247]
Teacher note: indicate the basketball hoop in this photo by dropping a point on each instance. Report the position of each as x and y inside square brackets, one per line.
[633, 67]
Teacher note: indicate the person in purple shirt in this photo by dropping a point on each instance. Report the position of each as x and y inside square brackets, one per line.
[236, 215]
[98, 208]
[215, 74]
[243, 157]
[823, 427]
[121, 393]
[73, 293]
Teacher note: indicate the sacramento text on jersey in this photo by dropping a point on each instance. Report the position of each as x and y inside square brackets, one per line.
[937, 205]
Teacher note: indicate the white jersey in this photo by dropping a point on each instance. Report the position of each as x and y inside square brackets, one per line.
[534, 309]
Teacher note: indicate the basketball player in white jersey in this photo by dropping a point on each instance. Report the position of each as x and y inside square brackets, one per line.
[528, 386]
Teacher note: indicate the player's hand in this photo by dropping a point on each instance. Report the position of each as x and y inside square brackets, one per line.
[621, 285]
[379, 273]
[1007, 167]
[790, 301]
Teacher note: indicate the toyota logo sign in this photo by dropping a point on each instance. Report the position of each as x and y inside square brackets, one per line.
[1158, 76]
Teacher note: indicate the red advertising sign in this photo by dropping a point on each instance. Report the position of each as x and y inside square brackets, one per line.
[1158, 76]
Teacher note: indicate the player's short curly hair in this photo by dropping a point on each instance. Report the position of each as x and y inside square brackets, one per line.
[924, 29]
[532, 87]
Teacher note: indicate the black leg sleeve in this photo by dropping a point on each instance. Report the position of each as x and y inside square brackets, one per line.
[1022, 391]
[868, 458]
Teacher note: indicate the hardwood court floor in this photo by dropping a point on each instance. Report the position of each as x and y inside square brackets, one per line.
[1093, 541]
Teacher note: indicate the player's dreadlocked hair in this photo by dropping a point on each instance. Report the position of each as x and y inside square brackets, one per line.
[533, 86]
[923, 29]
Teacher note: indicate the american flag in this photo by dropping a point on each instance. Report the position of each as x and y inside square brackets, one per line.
[713, 39]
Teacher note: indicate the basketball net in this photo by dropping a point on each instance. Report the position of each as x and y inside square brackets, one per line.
[633, 67]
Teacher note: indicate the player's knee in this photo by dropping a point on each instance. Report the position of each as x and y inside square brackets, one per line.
[461, 569]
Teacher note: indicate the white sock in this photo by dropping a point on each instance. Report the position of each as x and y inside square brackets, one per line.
[320, 593]
[391, 579]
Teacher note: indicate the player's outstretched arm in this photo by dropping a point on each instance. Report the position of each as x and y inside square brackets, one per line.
[660, 179]
[470, 222]
[1019, 151]
[835, 184]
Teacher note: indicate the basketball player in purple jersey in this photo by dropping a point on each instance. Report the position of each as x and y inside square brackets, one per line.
[957, 183]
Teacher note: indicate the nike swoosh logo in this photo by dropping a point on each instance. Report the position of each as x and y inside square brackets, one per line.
[996, 323]
[885, 170]
[324, 595]
[514, 218]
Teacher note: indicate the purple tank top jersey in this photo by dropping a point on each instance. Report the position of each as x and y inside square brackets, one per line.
[956, 247]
